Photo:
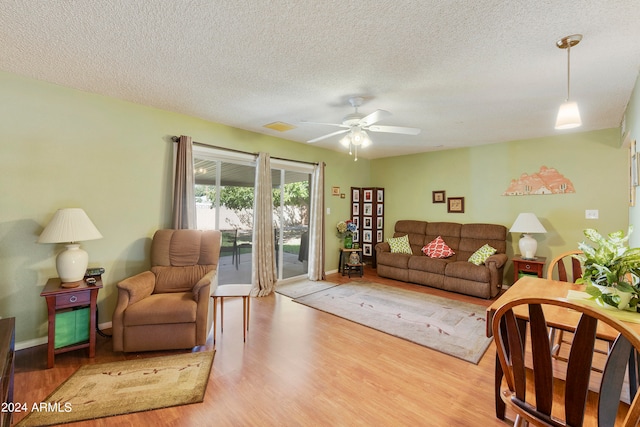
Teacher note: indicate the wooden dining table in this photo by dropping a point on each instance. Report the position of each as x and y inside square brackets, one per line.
[557, 317]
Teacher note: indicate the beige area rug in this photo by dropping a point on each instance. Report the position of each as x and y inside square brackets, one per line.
[302, 287]
[449, 326]
[116, 388]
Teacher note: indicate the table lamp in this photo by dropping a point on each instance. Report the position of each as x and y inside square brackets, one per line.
[69, 226]
[527, 223]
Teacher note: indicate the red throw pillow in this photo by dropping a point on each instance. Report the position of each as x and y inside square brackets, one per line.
[437, 249]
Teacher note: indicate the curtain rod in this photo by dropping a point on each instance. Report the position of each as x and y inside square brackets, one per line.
[177, 138]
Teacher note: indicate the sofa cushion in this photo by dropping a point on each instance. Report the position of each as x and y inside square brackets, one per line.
[426, 264]
[481, 255]
[468, 271]
[474, 236]
[393, 260]
[399, 245]
[437, 248]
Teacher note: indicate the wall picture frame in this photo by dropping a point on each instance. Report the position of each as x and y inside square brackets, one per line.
[455, 205]
[368, 195]
[335, 191]
[367, 249]
[438, 196]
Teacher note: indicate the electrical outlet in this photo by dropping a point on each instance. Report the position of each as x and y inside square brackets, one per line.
[591, 214]
[328, 211]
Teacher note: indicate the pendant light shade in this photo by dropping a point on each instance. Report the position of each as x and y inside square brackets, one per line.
[568, 114]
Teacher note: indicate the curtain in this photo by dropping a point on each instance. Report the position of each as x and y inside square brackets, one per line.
[264, 274]
[184, 201]
[316, 225]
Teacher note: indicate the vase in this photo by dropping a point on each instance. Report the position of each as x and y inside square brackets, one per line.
[354, 258]
[348, 242]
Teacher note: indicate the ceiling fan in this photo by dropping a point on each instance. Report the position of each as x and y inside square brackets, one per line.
[356, 125]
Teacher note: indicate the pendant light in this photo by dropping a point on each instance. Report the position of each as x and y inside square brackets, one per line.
[568, 114]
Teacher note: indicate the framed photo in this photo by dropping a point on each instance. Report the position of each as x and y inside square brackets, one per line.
[356, 221]
[367, 222]
[380, 196]
[335, 191]
[368, 209]
[438, 196]
[367, 236]
[366, 249]
[368, 195]
[455, 205]
[379, 223]
[355, 237]
[379, 236]
[379, 210]
[355, 194]
[355, 211]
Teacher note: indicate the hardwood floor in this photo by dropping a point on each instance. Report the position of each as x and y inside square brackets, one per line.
[300, 367]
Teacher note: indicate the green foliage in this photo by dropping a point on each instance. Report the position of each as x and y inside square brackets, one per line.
[612, 264]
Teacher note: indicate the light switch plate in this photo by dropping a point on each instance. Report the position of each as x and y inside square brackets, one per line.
[591, 214]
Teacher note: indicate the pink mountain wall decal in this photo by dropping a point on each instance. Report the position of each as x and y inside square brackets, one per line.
[545, 181]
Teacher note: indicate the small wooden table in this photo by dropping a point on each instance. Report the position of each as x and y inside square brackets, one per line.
[342, 261]
[529, 266]
[59, 298]
[233, 290]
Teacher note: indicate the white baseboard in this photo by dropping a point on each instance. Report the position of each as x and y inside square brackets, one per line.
[43, 340]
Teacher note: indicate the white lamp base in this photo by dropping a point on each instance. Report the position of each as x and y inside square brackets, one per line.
[528, 246]
[72, 263]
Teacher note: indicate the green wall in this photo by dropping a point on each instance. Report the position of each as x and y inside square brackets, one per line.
[66, 148]
[632, 133]
[593, 161]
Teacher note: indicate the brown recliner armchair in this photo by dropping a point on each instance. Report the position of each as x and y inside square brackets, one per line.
[169, 307]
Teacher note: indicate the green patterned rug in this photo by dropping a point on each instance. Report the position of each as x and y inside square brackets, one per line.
[449, 326]
[116, 388]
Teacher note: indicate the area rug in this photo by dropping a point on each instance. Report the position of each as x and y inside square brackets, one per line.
[449, 326]
[302, 287]
[116, 388]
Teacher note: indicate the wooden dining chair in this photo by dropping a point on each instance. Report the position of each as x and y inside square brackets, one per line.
[558, 267]
[565, 268]
[532, 391]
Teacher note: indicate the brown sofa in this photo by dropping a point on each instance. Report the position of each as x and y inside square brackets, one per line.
[455, 273]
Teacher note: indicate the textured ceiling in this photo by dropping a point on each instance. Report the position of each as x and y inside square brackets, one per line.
[465, 72]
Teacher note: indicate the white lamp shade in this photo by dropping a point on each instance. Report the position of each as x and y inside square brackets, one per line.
[68, 226]
[527, 223]
[568, 116]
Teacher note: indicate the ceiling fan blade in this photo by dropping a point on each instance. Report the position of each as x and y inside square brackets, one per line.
[326, 124]
[395, 129]
[320, 138]
[374, 117]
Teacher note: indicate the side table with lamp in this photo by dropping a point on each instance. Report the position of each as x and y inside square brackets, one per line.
[71, 298]
[527, 262]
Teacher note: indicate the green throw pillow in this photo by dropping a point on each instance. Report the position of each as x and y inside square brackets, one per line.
[481, 255]
[400, 245]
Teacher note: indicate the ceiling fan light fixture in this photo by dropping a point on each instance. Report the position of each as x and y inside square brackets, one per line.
[366, 141]
[345, 141]
[568, 114]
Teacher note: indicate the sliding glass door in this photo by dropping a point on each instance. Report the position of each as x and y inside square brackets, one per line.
[224, 201]
[224, 189]
[291, 217]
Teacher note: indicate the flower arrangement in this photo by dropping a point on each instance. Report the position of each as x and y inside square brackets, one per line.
[346, 228]
[612, 270]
